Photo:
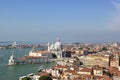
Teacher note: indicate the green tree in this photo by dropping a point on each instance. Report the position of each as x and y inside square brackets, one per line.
[45, 78]
[104, 49]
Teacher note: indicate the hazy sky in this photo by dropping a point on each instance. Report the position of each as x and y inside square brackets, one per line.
[71, 20]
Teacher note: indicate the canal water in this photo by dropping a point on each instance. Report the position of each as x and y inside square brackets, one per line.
[14, 72]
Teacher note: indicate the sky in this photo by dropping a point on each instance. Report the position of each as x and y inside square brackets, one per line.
[70, 20]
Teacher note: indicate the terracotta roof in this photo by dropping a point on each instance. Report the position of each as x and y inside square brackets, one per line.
[85, 70]
[114, 71]
[104, 77]
[85, 77]
[29, 57]
[73, 72]
[59, 66]
[34, 57]
[97, 69]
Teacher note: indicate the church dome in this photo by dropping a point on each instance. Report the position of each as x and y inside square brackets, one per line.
[58, 44]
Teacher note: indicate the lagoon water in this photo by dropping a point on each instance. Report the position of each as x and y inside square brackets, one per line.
[14, 72]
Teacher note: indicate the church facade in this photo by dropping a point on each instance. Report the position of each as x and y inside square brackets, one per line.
[56, 48]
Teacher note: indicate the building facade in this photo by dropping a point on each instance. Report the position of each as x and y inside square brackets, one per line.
[56, 48]
[92, 60]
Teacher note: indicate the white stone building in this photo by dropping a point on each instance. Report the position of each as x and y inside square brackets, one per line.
[56, 48]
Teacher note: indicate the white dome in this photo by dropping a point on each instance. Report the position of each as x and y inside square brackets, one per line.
[58, 45]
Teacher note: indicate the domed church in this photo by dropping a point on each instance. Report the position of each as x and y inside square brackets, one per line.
[56, 48]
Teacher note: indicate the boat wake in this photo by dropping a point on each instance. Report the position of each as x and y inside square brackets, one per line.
[39, 67]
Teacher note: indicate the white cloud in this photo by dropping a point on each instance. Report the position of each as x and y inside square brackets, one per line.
[114, 24]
